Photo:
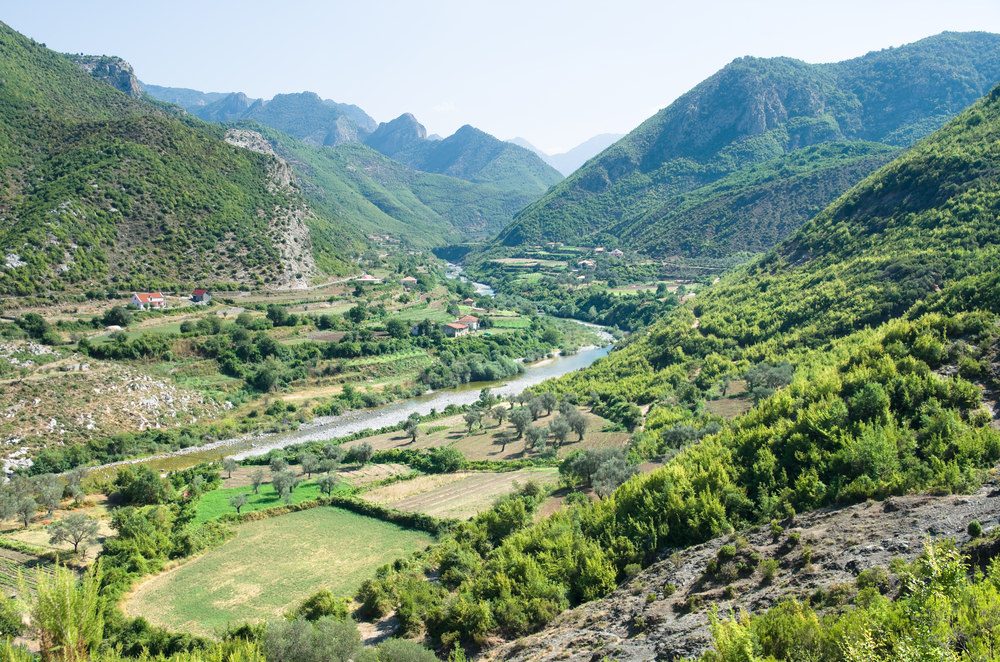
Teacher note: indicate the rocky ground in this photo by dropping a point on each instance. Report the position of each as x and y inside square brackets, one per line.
[662, 612]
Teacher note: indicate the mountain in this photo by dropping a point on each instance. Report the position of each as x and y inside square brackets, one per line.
[733, 164]
[100, 189]
[114, 71]
[568, 162]
[468, 154]
[868, 342]
[187, 99]
[302, 115]
[382, 196]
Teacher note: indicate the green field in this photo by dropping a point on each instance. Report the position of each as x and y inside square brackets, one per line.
[216, 503]
[271, 565]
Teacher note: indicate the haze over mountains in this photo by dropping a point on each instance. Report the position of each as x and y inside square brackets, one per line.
[753, 151]
[567, 162]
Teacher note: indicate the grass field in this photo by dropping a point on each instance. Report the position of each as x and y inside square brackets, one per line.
[216, 503]
[270, 566]
[460, 495]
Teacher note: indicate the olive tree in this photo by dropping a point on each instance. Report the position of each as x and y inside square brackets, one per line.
[256, 480]
[75, 528]
[520, 418]
[238, 501]
[229, 465]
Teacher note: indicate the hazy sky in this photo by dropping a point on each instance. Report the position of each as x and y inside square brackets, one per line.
[554, 72]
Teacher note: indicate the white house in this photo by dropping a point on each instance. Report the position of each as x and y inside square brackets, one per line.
[148, 300]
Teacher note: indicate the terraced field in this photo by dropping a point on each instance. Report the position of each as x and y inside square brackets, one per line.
[458, 495]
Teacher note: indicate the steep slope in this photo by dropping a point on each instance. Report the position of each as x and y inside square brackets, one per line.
[307, 117]
[883, 316]
[100, 188]
[650, 190]
[383, 196]
[468, 154]
[569, 161]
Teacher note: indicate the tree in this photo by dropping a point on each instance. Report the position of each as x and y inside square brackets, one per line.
[362, 453]
[74, 484]
[577, 422]
[257, 479]
[278, 464]
[68, 616]
[549, 401]
[520, 418]
[284, 483]
[333, 452]
[536, 437]
[412, 427]
[75, 528]
[310, 464]
[237, 501]
[229, 465]
[325, 640]
[358, 313]
[559, 429]
[49, 491]
[535, 406]
[327, 484]
[499, 413]
[610, 474]
[471, 418]
[26, 507]
[139, 485]
[117, 316]
[397, 328]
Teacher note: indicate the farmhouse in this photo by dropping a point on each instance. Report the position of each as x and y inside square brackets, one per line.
[408, 282]
[617, 253]
[586, 264]
[469, 301]
[455, 329]
[148, 300]
[599, 249]
[470, 321]
[201, 296]
[367, 278]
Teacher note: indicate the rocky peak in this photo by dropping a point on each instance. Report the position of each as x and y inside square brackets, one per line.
[112, 70]
[392, 137]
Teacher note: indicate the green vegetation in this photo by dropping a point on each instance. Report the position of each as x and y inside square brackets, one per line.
[943, 611]
[103, 188]
[270, 564]
[702, 179]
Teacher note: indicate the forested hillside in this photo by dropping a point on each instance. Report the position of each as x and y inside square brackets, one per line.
[102, 189]
[382, 196]
[866, 340]
[758, 148]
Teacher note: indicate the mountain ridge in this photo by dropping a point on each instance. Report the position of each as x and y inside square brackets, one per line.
[752, 111]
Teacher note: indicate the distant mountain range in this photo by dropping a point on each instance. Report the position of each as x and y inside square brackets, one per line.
[752, 152]
[469, 154]
[568, 162]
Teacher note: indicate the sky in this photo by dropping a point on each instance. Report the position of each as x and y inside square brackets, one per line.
[554, 72]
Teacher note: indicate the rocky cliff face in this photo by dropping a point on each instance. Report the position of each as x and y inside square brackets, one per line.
[390, 138]
[112, 70]
[288, 222]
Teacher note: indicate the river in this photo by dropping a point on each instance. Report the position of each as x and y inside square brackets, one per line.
[352, 422]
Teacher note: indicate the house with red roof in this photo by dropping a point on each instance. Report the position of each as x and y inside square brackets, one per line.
[148, 300]
[200, 295]
[455, 329]
[470, 321]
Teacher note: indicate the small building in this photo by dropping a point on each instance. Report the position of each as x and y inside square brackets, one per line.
[367, 278]
[470, 321]
[148, 300]
[408, 282]
[599, 249]
[201, 296]
[587, 264]
[617, 253]
[469, 301]
[455, 329]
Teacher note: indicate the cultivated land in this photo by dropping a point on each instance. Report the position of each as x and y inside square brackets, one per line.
[458, 495]
[270, 565]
